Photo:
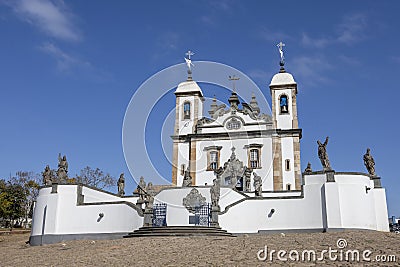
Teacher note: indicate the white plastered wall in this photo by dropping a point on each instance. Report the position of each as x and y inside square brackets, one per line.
[288, 176]
[203, 176]
[284, 121]
[183, 159]
[64, 216]
[186, 125]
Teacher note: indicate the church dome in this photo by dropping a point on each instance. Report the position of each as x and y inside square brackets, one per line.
[282, 78]
[188, 87]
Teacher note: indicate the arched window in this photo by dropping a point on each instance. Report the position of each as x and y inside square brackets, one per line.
[284, 104]
[186, 110]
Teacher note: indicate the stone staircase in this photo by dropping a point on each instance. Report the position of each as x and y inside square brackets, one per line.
[179, 231]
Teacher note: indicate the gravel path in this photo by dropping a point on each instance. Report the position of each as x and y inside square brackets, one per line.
[198, 251]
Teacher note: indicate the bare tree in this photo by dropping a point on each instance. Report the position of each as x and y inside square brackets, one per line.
[29, 182]
[95, 178]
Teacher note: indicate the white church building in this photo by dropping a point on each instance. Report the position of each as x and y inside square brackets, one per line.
[255, 159]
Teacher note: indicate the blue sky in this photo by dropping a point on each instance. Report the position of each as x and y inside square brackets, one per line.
[68, 70]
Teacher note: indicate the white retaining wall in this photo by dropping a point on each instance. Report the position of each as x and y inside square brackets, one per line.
[59, 214]
[343, 204]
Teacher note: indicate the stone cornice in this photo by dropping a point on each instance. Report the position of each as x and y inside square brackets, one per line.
[239, 134]
[283, 86]
[188, 94]
[340, 173]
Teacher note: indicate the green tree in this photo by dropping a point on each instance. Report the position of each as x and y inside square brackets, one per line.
[95, 178]
[12, 198]
[5, 203]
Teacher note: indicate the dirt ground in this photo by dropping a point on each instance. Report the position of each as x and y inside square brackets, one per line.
[206, 251]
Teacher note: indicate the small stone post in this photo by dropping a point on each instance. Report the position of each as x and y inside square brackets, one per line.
[214, 216]
[215, 192]
[148, 217]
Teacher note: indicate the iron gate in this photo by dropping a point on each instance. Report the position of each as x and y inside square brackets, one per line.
[159, 215]
[203, 215]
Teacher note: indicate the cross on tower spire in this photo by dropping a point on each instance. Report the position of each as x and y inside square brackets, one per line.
[189, 53]
[233, 78]
[282, 61]
[189, 64]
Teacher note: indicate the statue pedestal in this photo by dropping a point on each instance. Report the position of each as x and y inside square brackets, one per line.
[214, 216]
[148, 218]
[377, 181]
[330, 176]
[54, 187]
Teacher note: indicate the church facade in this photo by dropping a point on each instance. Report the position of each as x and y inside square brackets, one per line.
[236, 169]
[268, 146]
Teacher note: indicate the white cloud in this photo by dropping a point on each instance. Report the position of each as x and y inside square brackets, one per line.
[223, 5]
[65, 61]
[69, 64]
[315, 42]
[351, 30]
[259, 74]
[166, 43]
[311, 69]
[50, 16]
[207, 19]
[169, 40]
[350, 60]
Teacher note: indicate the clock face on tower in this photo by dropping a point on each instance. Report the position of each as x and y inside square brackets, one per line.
[184, 127]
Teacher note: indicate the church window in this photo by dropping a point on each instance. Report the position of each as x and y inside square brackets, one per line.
[213, 160]
[283, 104]
[254, 159]
[233, 124]
[213, 157]
[287, 165]
[186, 110]
[254, 155]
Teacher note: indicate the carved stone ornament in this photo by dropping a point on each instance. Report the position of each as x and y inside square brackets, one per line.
[233, 171]
[220, 110]
[308, 170]
[194, 199]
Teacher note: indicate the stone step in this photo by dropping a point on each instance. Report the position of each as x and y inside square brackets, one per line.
[177, 234]
[181, 228]
[179, 231]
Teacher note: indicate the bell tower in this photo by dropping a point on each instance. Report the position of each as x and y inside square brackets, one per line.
[286, 140]
[188, 110]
